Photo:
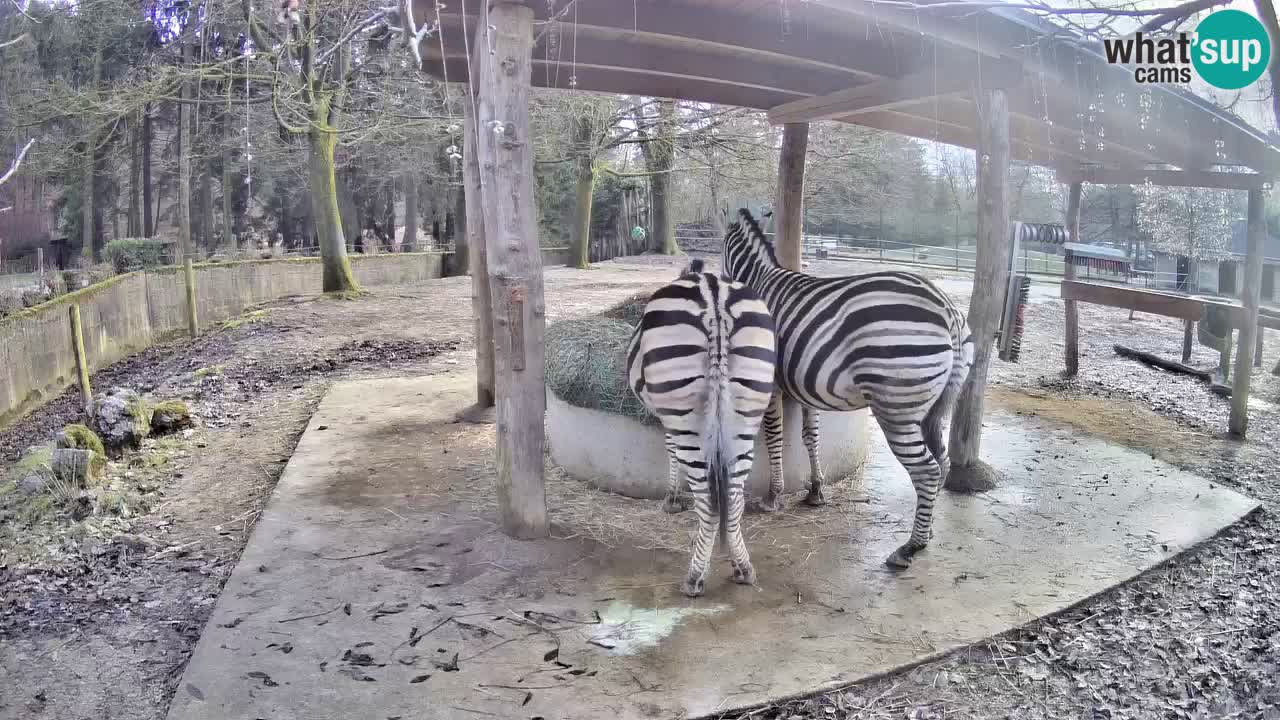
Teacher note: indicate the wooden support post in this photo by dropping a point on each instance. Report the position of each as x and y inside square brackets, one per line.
[514, 264]
[477, 258]
[82, 362]
[1188, 329]
[1238, 424]
[967, 472]
[788, 216]
[1072, 348]
[1257, 348]
[189, 278]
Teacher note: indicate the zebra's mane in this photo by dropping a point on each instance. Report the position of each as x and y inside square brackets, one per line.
[754, 236]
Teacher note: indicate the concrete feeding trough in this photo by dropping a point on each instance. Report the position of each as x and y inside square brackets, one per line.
[620, 454]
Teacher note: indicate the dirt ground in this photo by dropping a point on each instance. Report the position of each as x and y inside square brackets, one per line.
[100, 624]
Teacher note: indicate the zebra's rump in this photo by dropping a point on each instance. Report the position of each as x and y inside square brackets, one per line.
[892, 336]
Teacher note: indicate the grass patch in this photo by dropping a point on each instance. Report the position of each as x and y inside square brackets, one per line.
[246, 319]
[204, 372]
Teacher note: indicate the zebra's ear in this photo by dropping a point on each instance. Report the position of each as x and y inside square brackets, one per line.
[766, 214]
[695, 267]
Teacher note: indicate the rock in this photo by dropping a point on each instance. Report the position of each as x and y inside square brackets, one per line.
[80, 437]
[121, 419]
[78, 467]
[170, 416]
[33, 483]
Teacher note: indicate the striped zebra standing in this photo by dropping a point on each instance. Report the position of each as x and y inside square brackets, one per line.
[891, 341]
[702, 360]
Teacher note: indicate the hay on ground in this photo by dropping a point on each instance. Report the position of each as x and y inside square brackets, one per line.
[630, 310]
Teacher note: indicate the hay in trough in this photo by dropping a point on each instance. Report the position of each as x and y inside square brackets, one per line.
[630, 310]
[587, 366]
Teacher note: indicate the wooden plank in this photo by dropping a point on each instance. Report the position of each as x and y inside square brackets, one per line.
[1163, 364]
[967, 473]
[597, 49]
[1238, 423]
[515, 266]
[896, 92]
[1072, 336]
[477, 258]
[1176, 306]
[1167, 178]
[788, 215]
[1188, 330]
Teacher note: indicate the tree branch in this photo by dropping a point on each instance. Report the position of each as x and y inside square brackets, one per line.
[17, 162]
[15, 41]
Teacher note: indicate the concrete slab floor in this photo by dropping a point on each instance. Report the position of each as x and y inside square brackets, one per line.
[376, 584]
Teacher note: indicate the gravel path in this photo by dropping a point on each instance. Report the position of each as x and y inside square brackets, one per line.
[103, 629]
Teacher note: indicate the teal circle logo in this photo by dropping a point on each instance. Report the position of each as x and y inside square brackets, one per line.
[1232, 49]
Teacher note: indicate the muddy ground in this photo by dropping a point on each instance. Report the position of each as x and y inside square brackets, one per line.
[99, 624]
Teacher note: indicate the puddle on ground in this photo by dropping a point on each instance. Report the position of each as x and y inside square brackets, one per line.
[625, 629]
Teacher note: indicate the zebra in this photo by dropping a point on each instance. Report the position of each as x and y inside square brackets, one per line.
[702, 361]
[889, 340]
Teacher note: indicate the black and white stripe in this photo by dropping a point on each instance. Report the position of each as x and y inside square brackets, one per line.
[702, 360]
[891, 341]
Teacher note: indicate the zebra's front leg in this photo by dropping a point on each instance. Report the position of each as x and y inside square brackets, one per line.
[676, 500]
[908, 444]
[773, 428]
[815, 498]
[704, 542]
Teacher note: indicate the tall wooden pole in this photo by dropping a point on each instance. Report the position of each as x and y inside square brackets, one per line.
[1069, 273]
[477, 258]
[1238, 423]
[967, 472]
[514, 264]
[788, 214]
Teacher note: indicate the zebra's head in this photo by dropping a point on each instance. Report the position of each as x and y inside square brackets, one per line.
[746, 248]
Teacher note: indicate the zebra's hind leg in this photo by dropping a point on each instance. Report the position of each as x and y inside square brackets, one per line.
[739, 558]
[704, 542]
[815, 498]
[908, 444]
[676, 500]
[773, 427]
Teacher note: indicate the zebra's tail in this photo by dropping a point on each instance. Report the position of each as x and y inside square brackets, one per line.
[717, 429]
[940, 413]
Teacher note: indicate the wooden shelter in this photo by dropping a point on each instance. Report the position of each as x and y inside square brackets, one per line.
[1005, 82]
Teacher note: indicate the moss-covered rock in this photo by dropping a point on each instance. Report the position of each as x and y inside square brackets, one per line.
[122, 419]
[34, 470]
[79, 437]
[170, 416]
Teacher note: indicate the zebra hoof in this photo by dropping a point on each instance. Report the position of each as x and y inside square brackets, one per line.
[693, 586]
[744, 574]
[679, 503]
[771, 503]
[815, 498]
[902, 557]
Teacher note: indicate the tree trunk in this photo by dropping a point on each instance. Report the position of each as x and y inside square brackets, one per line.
[206, 209]
[230, 236]
[1071, 337]
[324, 210]
[789, 213]
[148, 217]
[481, 297]
[580, 256]
[968, 473]
[461, 246]
[185, 248]
[1250, 292]
[410, 243]
[515, 270]
[89, 184]
[661, 158]
[389, 214]
[135, 180]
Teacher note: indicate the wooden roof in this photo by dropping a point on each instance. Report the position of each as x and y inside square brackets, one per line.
[875, 64]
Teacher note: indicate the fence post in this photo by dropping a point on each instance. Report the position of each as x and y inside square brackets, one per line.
[40, 265]
[189, 275]
[82, 364]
